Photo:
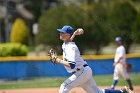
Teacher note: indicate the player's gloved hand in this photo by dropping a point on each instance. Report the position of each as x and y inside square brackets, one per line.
[53, 56]
[128, 67]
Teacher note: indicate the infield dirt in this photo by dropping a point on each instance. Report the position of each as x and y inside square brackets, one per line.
[55, 90]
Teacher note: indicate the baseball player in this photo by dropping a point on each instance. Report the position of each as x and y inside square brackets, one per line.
[120, 64]
[74, 63]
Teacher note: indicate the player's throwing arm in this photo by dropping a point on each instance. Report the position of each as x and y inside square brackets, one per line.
[79, 31]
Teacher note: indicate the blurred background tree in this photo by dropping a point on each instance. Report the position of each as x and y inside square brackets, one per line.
[92, 21]
[122, 17]
[20, 32]
[37, 7]
[63, 15]
[136, 30]
[102, 21]
[96, 25]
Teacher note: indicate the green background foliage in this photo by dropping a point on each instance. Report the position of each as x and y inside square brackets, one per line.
[76, 17]
[136, 30]
[122, 18]
[55, 18]
[101, 21]
[13, 49]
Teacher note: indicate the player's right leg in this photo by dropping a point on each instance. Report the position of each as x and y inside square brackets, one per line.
[114, 84]
[77, 79]
[124, 90]
[130, 84]
[126, 77]
[91, 87]
[113, 91]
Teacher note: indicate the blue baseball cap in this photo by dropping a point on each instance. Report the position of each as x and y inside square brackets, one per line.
[66, 29]
[118, 39]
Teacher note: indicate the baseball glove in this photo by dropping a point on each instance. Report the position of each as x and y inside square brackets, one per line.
[128, 67]
[53, 56]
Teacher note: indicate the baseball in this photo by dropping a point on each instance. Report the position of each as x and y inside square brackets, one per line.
[80, 30]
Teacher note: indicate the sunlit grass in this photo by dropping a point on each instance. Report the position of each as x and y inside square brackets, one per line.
[101, 80]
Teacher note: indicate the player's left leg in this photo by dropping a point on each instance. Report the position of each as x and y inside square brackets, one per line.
[126, 77]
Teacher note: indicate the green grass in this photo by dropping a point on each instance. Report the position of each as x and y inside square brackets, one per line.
[101, 80]
[107, 80]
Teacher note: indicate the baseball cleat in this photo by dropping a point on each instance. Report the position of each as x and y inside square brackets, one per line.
[126, 90]
[131, 88]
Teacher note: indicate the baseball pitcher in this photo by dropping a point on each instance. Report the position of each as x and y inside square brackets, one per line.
[74, 63]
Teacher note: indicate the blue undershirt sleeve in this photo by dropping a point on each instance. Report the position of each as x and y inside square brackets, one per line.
[72, 64]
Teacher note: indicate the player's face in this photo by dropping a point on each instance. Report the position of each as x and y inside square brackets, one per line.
[118, 43]
[65, 36]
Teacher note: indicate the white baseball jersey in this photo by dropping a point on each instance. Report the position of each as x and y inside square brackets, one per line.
[120, 52]
[119, 68]
[72, 55]
[83, 76]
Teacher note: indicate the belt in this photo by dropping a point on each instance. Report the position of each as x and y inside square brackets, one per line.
[85, 65]
[78, 69]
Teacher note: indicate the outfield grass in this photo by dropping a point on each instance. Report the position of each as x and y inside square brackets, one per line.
[108, 79]
[101, 80]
